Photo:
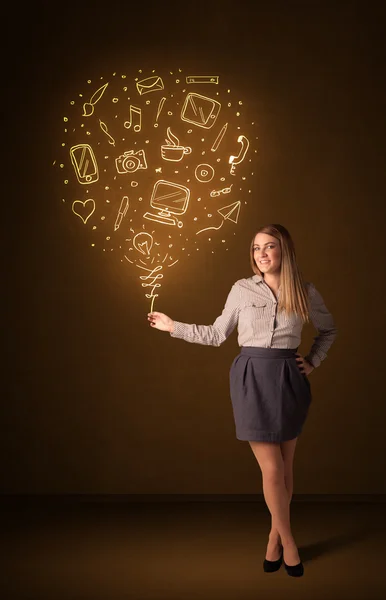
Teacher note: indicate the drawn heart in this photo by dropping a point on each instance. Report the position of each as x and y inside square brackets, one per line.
[85, 211]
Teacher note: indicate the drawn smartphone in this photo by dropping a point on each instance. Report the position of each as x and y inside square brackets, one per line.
[200, 110]
[85, 164]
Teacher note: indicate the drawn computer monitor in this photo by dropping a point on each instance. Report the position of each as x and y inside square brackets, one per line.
[168, 199]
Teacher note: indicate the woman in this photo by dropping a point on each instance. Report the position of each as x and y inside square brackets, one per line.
[269, 385]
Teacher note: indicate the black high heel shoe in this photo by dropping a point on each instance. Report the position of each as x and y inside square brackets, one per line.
[270, 566]
[295, 570]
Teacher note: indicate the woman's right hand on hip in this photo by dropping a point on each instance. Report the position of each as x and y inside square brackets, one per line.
[160, 321]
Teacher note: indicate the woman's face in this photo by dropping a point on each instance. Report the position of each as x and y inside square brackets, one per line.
[267, 253]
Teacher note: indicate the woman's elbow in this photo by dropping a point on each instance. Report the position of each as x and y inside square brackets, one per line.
[218, 340]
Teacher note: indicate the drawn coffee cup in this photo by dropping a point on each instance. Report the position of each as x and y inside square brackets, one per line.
[175, 153]
[172, 149]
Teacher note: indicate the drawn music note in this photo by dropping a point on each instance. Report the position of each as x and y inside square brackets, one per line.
[135, 115]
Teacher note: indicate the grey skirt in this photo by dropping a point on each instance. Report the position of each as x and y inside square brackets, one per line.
[270, 395]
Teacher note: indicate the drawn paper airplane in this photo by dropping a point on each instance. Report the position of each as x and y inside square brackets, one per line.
[228, 213]
[233, 213]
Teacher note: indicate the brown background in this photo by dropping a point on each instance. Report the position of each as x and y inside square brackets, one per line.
[97, 402]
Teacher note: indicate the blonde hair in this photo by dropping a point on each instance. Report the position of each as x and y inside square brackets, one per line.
[293, 289]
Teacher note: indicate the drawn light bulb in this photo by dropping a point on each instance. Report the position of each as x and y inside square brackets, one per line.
[143, 242]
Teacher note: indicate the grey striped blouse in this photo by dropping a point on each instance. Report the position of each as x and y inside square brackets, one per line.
[252, 306]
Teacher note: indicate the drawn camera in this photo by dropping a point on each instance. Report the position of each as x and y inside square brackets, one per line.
[131, 161]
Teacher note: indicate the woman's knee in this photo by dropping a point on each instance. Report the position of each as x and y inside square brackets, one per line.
[269, 458]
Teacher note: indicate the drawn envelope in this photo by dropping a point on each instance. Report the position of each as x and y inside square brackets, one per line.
[151, 84]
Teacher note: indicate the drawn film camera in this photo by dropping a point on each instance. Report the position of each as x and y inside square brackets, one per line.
[131, 161]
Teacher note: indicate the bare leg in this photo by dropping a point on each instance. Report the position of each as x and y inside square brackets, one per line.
[274, 540]
[276, 496]
[288, 452]
[274, 534]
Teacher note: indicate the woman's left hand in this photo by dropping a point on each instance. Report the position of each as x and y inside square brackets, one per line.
[303, 364]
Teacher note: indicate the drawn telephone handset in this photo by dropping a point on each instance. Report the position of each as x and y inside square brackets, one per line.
[236, 160]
